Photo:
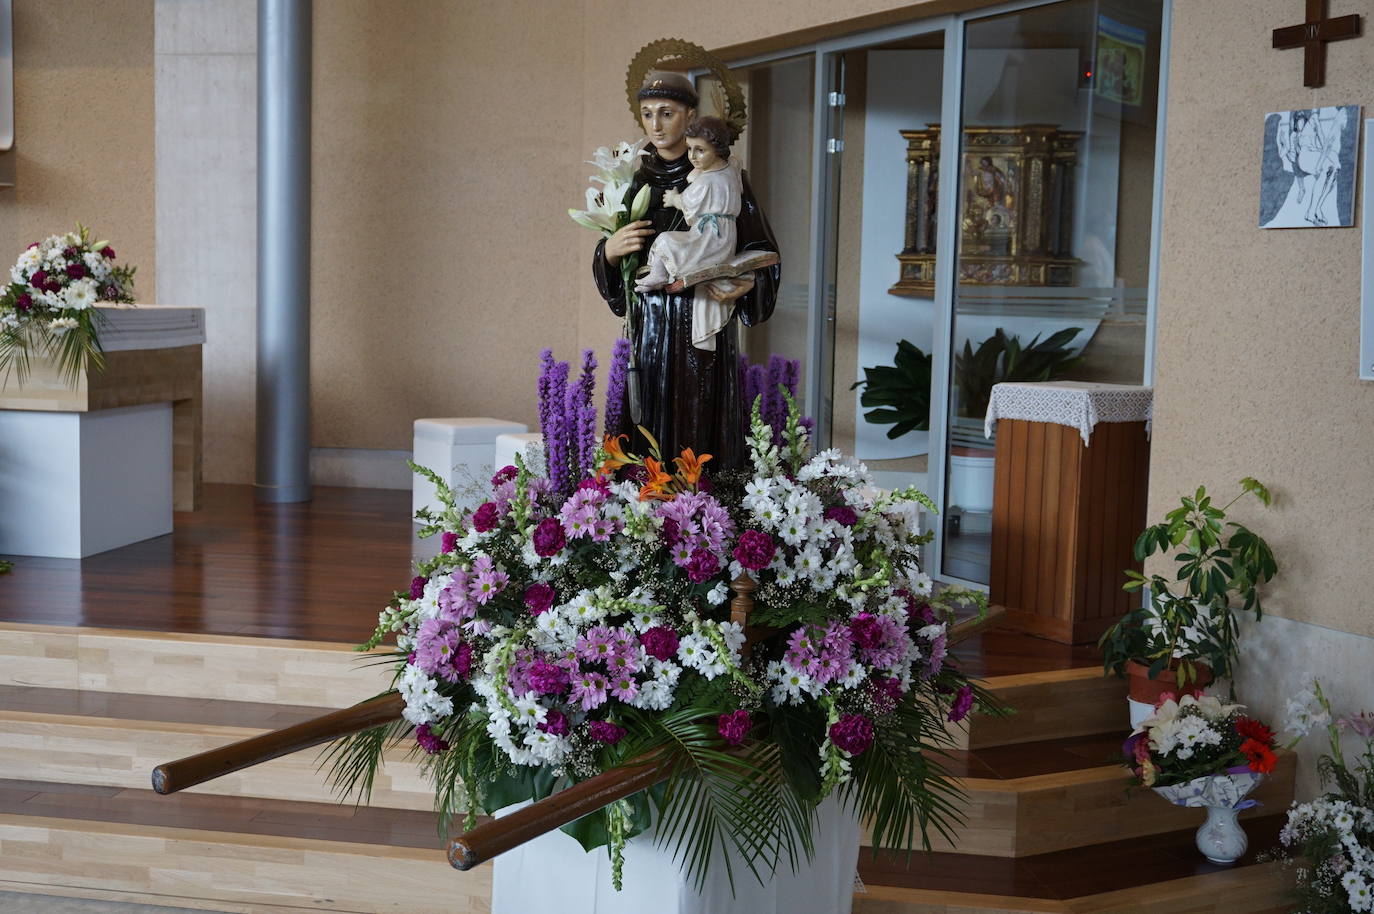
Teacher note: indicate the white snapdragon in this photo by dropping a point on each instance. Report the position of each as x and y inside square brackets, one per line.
[718, 594]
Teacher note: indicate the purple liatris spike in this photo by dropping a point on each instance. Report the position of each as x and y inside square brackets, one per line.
[615, 385]
[553, 418]
[582, 417]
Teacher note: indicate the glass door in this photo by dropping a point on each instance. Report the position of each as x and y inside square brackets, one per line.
[1053, 224]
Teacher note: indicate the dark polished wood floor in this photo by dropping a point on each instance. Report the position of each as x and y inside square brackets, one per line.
[318, 570]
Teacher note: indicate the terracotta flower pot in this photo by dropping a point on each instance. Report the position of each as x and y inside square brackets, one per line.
[1147, 691]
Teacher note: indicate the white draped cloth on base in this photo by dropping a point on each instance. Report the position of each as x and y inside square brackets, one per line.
[553, 874]
[1077, 404]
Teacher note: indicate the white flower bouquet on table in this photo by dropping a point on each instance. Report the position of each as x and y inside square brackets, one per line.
[578, 622]
[48, 308]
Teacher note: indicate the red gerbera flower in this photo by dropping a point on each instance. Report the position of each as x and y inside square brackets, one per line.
[1249, 728]
[1262, 758]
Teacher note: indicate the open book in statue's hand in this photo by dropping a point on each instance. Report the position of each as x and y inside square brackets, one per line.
[742, 263]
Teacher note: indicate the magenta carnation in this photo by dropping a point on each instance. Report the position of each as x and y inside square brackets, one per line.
[755, 550]
[539, 597]
[38, 279]
[842, 514]
[107, 252]
[866, 630]
[734, 727]
[428, 741]
[505, 474]
[549, 538]
[76, 270]
[417, 586]
[555, 724]
[547, 678]
[853, 733]
[661, 643]
[23, 302]
[448, 542]
[703, 564]
[963, 703]
[486, 517]
[604, 731]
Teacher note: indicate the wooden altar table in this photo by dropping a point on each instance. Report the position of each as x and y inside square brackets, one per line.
[152, 355]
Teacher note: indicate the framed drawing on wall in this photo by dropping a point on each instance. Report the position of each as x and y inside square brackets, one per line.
[1367, 261]
[1307, 175]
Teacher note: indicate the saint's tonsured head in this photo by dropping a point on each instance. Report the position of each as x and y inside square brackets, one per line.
[667, 103]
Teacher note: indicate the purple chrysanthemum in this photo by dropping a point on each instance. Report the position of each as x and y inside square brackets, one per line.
[589, 690]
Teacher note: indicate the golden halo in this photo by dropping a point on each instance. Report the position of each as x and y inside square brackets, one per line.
[677, 51]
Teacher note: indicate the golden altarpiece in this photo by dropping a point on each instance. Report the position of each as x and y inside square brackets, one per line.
[1016, 221]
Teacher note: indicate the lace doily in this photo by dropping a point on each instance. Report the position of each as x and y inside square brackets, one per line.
[1077, 404]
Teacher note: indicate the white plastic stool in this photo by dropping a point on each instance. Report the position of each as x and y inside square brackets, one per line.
[507, 446]
[459, 450]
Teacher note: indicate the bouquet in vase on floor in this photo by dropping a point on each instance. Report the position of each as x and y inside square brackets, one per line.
[1329, 841]
[48, 308]
[580, 619]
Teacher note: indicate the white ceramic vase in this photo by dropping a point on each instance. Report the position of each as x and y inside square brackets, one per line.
[1221, 838]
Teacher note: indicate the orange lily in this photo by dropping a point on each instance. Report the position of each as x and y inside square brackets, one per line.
[615, 456]
[657, 486]
[689, 465]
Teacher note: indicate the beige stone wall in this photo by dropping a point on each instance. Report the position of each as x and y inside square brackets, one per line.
[1257, 329]
[83, 124]
[447, 148]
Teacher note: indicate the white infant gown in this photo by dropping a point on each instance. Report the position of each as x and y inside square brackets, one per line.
[711, 202]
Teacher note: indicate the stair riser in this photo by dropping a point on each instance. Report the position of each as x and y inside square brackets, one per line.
[123, 753]
[253, 873]
[1260, 889]
[274, 671]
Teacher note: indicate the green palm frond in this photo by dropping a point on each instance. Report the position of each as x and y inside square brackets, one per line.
[901, 785]
[722, 805]
[354, 760]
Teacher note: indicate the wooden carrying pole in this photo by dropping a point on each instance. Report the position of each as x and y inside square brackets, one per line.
[196, 769]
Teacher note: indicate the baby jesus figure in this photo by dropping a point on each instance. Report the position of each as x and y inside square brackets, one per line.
[711, 204]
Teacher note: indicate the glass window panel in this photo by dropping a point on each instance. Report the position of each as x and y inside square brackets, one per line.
[1055, 187]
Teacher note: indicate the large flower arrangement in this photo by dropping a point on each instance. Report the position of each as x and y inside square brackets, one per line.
[564, 630]
[1198, 736]
[48, 308]
[1330, 840]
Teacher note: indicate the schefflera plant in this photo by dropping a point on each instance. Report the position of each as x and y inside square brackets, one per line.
[1191, 619]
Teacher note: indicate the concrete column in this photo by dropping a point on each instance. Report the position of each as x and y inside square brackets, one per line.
[283, 370]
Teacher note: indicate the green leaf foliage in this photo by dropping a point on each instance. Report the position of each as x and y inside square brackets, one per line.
[899, 393]
[1001, 358]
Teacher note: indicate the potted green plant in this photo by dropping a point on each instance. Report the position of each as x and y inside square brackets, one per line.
[1184, 635]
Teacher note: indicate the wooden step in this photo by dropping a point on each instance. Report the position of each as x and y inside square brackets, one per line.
[1036, 798]
[1162, 874]
[319, 674]
[240, 854]
[115, 740]
[1053, 704]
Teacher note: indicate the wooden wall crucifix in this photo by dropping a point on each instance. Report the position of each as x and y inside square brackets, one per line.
[1312, 37]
